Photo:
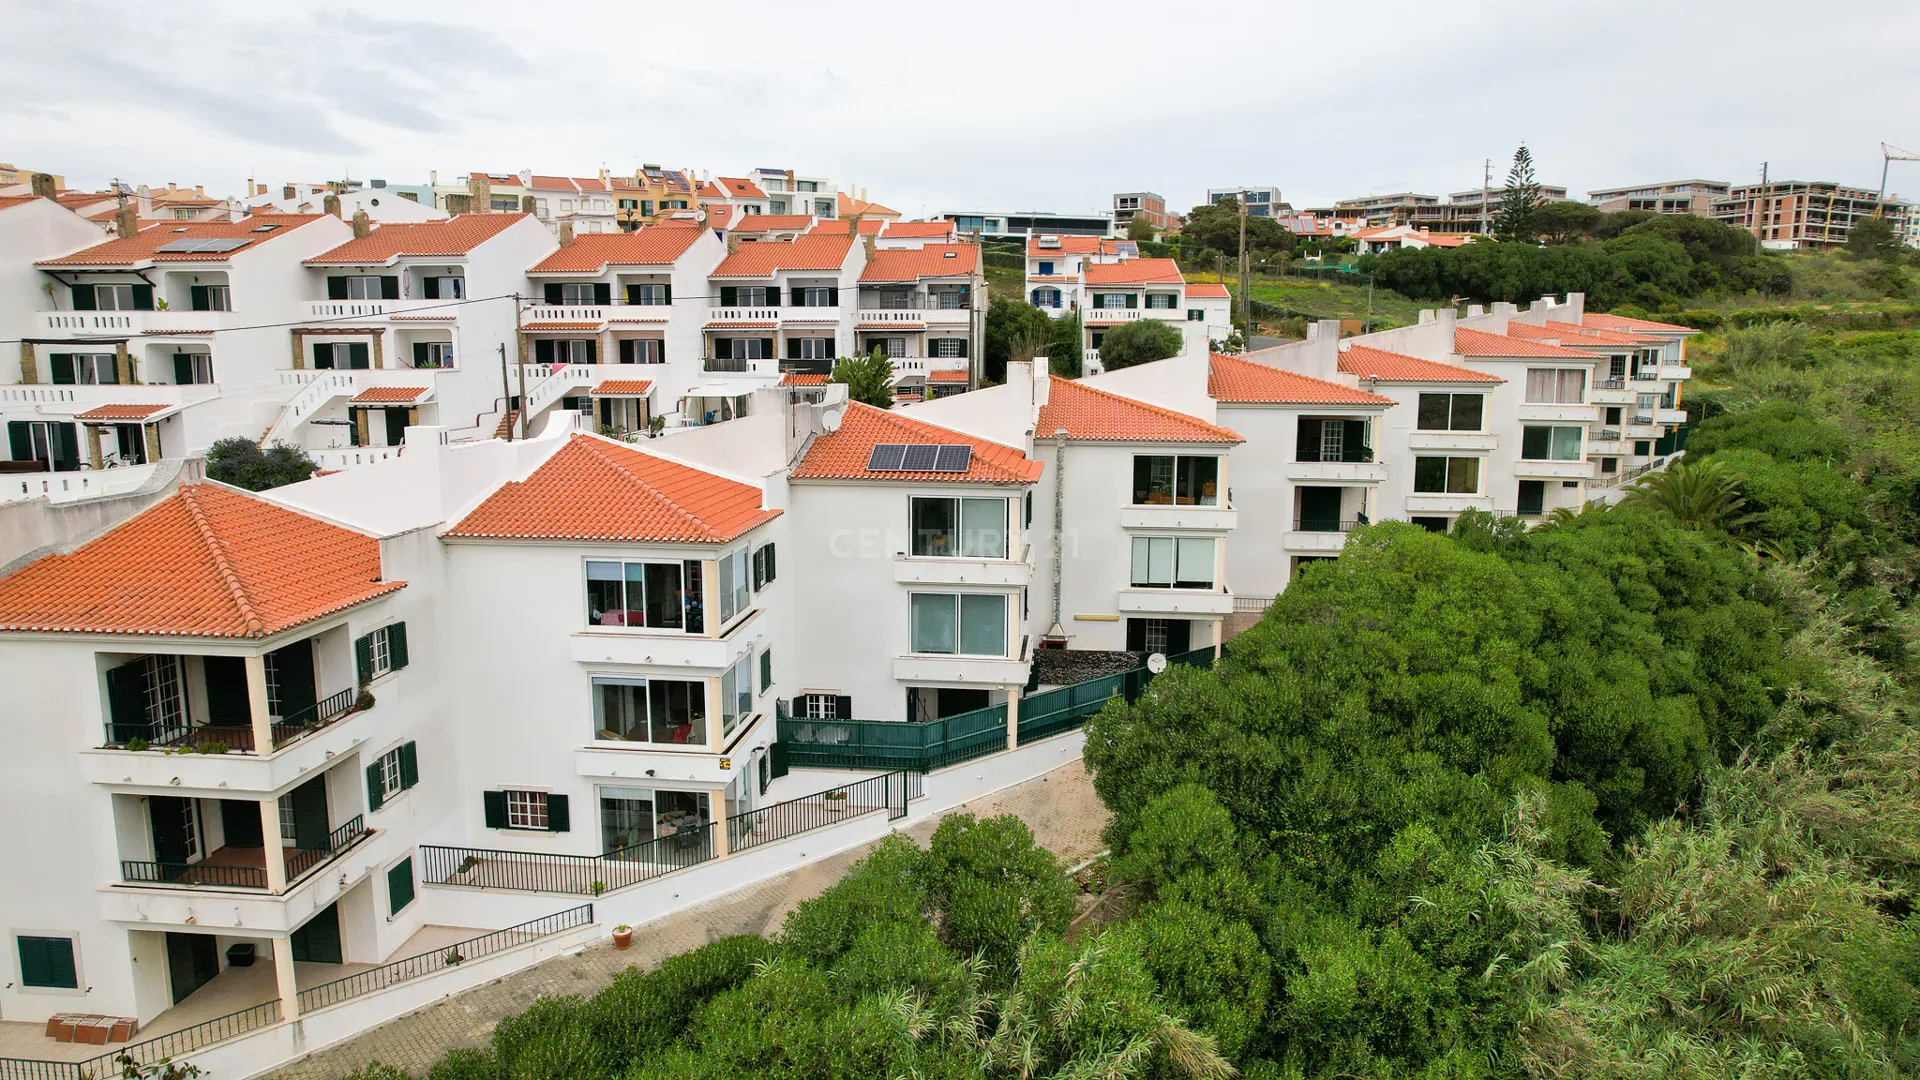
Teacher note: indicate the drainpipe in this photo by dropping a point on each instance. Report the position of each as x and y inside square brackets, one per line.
[1057, 630]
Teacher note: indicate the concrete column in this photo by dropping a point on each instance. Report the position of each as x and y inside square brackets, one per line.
[413, 416]
[710, 596]
[258, 706]
[360, 425]
[153, 441]
[717, 803]
[1013, 718]
[129, 371]
[299, 351]
[283, 978]
[714, 724]
[273, 848]
[29, 370]
[93, 446]
[379, 351]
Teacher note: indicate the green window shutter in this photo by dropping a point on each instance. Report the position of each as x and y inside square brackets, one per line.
[197, 298]
[400, 886]
[419, 354]
[397, 645]
[143, 297]
[766, 347]
[363, 658]
[1133, 300]
[773, 296]
[793, 348]
[553, 293]
[376, 797]
[113, 370]
[666, 293]
[494, 805]
[759, 569]
[409, 765]
[66, 456]
[833, 296]
[777, 759]
[729, 296]
[390, 287]
[48, 961]
[559, 818]
[430, 288]
[19, 440]
[83, 298]
[357, 355]
[770, 573]
[322, 356]
[182, 369]
[543, 351]
[766, 669]
[336, 287]
[633, 294]
[61, 366]
[593, 351]
[602, 293]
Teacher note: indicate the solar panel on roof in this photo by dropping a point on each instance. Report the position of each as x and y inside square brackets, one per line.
[181, 247]
[886, 457]
[954, 459]
[920, 458]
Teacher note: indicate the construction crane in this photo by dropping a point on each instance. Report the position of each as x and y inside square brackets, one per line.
[1889, 155]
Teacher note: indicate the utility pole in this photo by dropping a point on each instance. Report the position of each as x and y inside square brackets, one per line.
[1486, 188]
[520, 362]
[1760, 205]
[506, 389]
[1246, 298]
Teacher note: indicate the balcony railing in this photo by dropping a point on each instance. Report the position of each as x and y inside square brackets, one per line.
[374, 980]
[135, 872]
[317, 715]
[338, 841]
[726, 363]
[1347, 455]
[1306, 524]
[891, 792]
[912, 746]
[1647, 375]
[1609, 384]
[574, 875]
[1067, 707]
[222, 738]
[912, 303]
[1607, 435]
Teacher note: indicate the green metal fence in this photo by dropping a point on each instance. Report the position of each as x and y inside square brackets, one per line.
[910, 746]
[1067, 707]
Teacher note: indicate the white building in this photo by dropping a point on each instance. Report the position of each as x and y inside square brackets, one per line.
[380, 202]
[1127, 290]
[1259, 201]
[922, 307]
[789, 193]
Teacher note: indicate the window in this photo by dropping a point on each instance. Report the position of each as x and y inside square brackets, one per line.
[48, 962]
[734, 597]
[192, 368]
[666, 712]
[94, 369]
[1556, 386]
[736, 694]
[1167, 301]
[1195, 314]
[433, 354]
[400, 885]
[1165, 562]
[1450, 412]
[815, 296]
[1447, 475]
[364, 288]
[811, 348]
[1045, 269]
[445, 288]
[959, 528]
[743, 296]
[948, 346]
[657, 595]
[1170, 480]
[380, 652]
[117, 298]
[577, 293]
[966, 624]
[1319, 439]
[742, 348]
[629, 204]
[1532, 498]
[396, 771]
[825, 707]
[1115, 300]
[1556, 443]
[166, 710]
[766, 670]
[341, 355]
[640, 351]
[504, 206]
[1613, 416]
[892, 346]
[526, 810]
[1610, 465]
[763, 566]
[210, 297]
[1046, 298]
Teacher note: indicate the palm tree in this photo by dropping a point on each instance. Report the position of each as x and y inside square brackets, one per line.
[1701, 496]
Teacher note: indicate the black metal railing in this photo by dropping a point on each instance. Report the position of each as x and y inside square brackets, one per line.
[1606, 434]
[1326, 524]
[1350, 454]
[1647, 375]
[1067, 707]
[574, 875]
[137, 872]
[338, 841]
[725, 363]
[1609, 384]
[374, 980]
[215, 737]
[890, 792]
[319, 714]
[125, 1060]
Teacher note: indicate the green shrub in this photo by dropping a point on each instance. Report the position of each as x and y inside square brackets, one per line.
[994, 887]
[885, 887]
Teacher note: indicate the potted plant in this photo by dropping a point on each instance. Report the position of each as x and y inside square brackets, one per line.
[452, 956]
[836, 802]
[623, 936]
[364, 701]
[137, 744]
[597, 887]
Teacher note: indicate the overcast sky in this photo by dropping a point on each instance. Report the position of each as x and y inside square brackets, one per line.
[974, 106]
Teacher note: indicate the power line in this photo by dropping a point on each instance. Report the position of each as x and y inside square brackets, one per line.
[302, 322]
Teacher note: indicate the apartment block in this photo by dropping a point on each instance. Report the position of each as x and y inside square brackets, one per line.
[1146, 204]
[1259, 201]
[1796, 214]
[1460, 212]
[1030, 223]
[1694, 197]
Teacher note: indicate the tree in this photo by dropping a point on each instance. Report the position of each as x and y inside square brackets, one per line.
[1016, 330]
[1873, 238]
[1565, 222]
[1139, 228]
[1514, 219]
[1703, 496]
[868, 378]
[1217, 226]
[1139, 342]
[243, 464]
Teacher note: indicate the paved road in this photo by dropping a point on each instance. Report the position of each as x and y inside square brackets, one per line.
[1060, 807]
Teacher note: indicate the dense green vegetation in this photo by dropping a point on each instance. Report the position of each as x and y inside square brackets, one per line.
[244, 463]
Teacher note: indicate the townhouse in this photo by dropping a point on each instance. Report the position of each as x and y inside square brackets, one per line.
[775, 306]
[651, 194]
[790, 193]
[1127, 290]
[919, 306]
[1056, 263]
[734, 192]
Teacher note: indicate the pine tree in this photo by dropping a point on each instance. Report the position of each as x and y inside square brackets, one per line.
[1514, 219]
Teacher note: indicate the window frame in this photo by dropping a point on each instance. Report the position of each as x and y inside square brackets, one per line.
[521, 801]
[960, 606]
[1176, 561]
[692, 620]
[1447, 475]
[695, 718]
[1561, 377]
[73, 949]
[1555, 437]
[1453, 409]
[960, 534]
[391, 782]
[1138, 495]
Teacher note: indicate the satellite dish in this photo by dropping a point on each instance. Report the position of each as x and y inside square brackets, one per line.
[1157, 663]
[830, 421]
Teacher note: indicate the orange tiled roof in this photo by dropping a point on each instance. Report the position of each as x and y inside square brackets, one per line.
[1134, 272]
[1480, 343]
[208, 561]
[801, 378]
[453, 237]
[915, 229]
[1069, 245]
[752, 223]
[947, 375]
[9, 201]
[120, 412]
[741, 188]
[839, 227]
[1207, 289]
[842, 454]
[1233, 380]
[1573, 336]
[398, 395]
[847, 206]
[537, 325]
[718, 216]
[142, 246]
[801, 253]
[933, 260]
[592, 253]
[1383, 366]
[594, 489]
[1098, 416]
[622, 388]
[1622, 322]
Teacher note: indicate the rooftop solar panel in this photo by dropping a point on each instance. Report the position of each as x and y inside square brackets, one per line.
[954, 459]
[886, 458]
[920, 458]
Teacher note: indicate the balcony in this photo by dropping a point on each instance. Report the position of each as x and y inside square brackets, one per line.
[1215, 518]
[349, 310]
[665, 646]
[1669, 416]
[219, 758]
[1351, 466]
[1452, 440]
[1675, 372]
[961, 670]
[538, 312]
[1319, 534]
[1553, 470]
[120, 324]
[1185, 603]
[929, 570]
[1647, 374]
[242, 867]
[1556, 412]
[731, 315]
[738, 365]
[1611, 392]
[1446, 503]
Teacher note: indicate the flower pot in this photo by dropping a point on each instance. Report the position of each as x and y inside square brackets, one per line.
[623, 939]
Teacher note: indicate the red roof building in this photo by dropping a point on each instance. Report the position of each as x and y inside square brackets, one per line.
[1480, 343]
[843, 454]
[1383, 366]
[452, 238]
[1234, 381]
[1090, 415]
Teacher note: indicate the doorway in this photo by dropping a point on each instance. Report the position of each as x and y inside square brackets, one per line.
[318, 942]
[1168, 636]
[396, 426]
[1319, 509]
[192, 962]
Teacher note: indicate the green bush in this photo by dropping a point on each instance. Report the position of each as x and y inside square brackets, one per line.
[994, 887]
[885, 887]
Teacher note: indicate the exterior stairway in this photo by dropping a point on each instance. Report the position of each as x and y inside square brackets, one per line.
[505, 430]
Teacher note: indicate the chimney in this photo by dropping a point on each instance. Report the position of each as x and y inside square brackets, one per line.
[526, 178]
[288, 191]
[479, 194]
[42, 185]
[866, 239]
[457, 204]
[1042, 384]
[330, 204]
[200, 190]
[733, 241]
[433, 177]
[362, 224]
[235, 209]
[144, 197]
[566, 234]
[125, 224]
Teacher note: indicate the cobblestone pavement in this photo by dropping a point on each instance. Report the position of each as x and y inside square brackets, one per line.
[1060, 807]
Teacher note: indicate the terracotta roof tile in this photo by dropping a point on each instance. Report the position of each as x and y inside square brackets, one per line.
[1573, 336]
[914, 229]
[451, 238]
[1098, 416]
[741, 188]
[1480, 343]
[10, 201]
[801, 253]
[398, 395]
[847, 206]
[911, 264]
[1622, 322]
[536, 325]
[1207, 289]
[207, 561]
[120, 412]
[753, 223]
[947, 375]
[843, 454]
[1069, 245]
[718, 217]
[839, 227]
[1383, 366]
[1232, 379]
[592, 253]
[740, 325]
[1134, 272]
[622, 388]
[594, 489]
[802, 378]
[141, 247]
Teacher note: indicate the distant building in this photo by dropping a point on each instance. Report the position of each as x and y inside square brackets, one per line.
[1029, 222]
[1787, 214]
[1694, 197]
[790, 193]
[1128, 205]
[1261, 201]
[1461, 212]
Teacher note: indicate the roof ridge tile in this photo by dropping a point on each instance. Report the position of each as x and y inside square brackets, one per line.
[190, 500]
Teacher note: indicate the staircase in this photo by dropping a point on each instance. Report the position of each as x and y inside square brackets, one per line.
[505, 430]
